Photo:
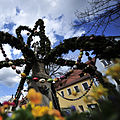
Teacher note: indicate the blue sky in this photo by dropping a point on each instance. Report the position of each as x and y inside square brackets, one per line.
[57, 15]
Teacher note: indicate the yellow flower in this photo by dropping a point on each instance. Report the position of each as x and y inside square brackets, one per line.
[115, 75]
[5, 106]
[23, 107]
[87, 99]
[50, 105]
[93, 95]
[13, 116]
[59, 118]
[114, 71]
[99, 91]
[32, 104]
[2, 109]
[54, 112]
[116, 67]
[108, 72]
[34, 97]
[38, 111]
[56, 118]
[117, 60]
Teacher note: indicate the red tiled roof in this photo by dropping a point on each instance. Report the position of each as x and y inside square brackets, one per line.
[73, 78]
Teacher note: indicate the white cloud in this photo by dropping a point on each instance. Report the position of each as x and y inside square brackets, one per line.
[8, 76]
[4, 98]
[72, 55]
[30, 11]
[1, 56]
[51, 9]
[16, 52]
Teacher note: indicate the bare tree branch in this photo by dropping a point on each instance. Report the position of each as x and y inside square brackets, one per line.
[103, 11]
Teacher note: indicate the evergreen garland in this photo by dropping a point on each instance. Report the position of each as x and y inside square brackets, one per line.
[103, 47]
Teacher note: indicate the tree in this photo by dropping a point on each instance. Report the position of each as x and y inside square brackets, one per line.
[99, 15]
[42, 55]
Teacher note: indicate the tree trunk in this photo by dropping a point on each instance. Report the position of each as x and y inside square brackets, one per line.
[38, 70]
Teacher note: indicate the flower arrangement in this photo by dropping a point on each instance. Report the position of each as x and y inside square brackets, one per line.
[96, 94]
[114, 71]
[32, 110]
[108, 104]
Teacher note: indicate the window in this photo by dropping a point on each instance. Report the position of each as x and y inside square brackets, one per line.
[96, 82]
[81, 108]
[76, 88]
[69, 91]
[92, 106]
[106, 63]
[62, 93]
[85, 86]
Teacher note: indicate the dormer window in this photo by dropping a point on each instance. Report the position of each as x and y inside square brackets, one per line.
[69, 91]
[62, 93]
[85, 85]
[76, 88]
[106, 63]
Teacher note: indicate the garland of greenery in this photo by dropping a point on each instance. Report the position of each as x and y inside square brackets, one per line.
[103, 47]
[6, 38]
[17, 62]
[23, 75]
[18, 32]
[21, 84]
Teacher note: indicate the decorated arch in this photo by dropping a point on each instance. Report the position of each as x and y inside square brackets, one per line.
[38, 55]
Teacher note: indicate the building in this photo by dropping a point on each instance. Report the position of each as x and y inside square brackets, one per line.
[102, 65]
[71, 91]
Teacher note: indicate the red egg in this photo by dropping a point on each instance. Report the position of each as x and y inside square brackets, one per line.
[62, 77]
[35, 79]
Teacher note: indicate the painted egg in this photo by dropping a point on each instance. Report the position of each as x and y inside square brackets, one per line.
[56, 79]
[62, 77]
[71, 71]
[18, 71]
[50, 80]
[10, 63]
[74, 93]
[23, 74]
[29, 77]
[42, 80]
[35, 79]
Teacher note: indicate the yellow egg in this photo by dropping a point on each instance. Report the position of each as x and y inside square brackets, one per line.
[76, 62]
[23, 74]
[107, 72]
[80, 56]
[71, 71]
[10, 63]
[74, 93]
